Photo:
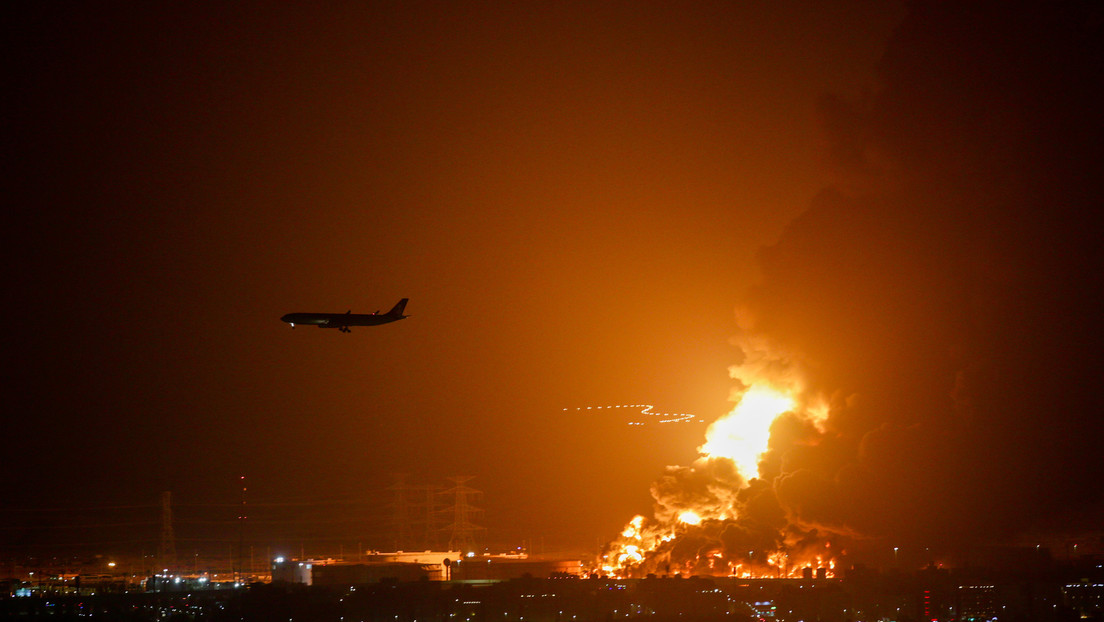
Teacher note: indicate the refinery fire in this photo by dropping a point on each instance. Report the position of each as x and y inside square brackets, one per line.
[720, 516]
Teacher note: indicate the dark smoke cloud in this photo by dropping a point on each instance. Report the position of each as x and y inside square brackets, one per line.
[943, 299]
[946, 294]
[709, 485]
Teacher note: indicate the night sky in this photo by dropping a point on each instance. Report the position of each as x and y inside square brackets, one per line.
[586, 204]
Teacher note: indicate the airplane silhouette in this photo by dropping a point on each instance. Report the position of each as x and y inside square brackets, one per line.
[342, 321]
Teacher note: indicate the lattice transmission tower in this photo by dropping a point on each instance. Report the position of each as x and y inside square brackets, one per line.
[401, 518]
[415, 515]
[167, 552]
[464, 533]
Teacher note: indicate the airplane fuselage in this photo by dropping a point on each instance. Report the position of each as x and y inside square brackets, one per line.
[342, 321]
[337, 320]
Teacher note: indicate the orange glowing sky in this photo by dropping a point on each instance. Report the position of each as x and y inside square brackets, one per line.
[572, 197]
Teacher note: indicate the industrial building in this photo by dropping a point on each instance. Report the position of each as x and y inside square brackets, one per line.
[421, 566]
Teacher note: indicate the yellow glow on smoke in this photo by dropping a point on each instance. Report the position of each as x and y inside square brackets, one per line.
[742, 434]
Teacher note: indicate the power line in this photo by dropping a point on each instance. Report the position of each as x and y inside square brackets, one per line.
[81, 508]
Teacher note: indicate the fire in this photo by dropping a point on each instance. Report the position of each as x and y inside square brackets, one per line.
[742, 435]
[632, 530]
[690, 517]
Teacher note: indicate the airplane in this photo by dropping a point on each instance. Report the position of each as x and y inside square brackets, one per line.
[342, 321]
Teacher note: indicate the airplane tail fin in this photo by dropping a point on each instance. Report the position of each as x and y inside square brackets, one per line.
[397, 310]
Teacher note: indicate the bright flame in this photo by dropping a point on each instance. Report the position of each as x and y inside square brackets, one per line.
[690, 517]
[632, 530]
[742, 437]
[742, 434]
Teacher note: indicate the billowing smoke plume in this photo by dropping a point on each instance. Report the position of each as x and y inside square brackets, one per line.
[936, 313]
[945, 297]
